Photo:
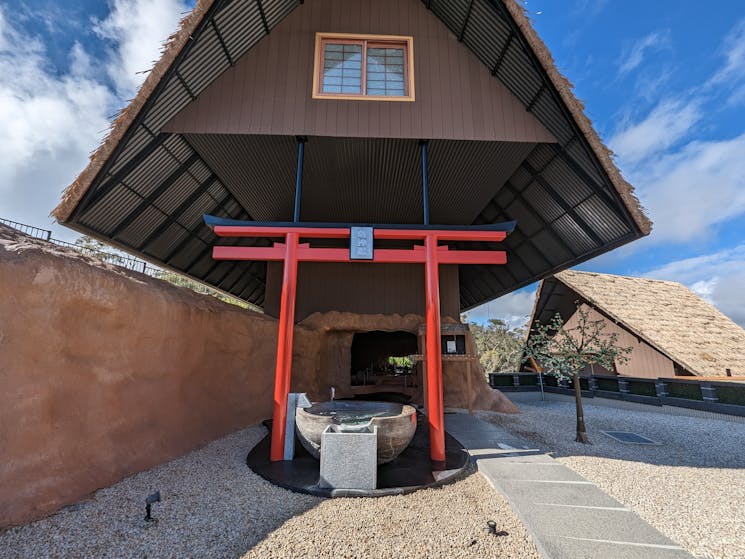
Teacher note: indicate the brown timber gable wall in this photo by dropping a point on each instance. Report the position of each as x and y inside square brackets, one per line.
[269, 90]
[361, 288]
[644, 360]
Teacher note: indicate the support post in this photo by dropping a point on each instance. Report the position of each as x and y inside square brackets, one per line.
[425, 181]
[435, 410]
[469, 385]
[299, 178]
[283, 369]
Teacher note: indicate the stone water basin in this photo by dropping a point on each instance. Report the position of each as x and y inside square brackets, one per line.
[396, 424]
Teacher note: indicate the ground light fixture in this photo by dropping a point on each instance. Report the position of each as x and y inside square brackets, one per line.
[149, 501]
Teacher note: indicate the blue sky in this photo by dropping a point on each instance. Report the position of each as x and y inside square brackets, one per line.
[663, 82]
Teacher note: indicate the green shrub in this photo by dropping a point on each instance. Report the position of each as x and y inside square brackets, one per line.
[584, 383]
[528, 380]
[642, 388]
[731, 394]
[684, 390]
[550, 380]
[607, 384]
[501, 380]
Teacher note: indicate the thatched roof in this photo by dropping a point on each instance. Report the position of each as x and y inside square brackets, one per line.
[668, 316]
[74, 193]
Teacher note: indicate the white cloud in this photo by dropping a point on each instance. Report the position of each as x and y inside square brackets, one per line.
[588, 9]
[137, 30]
[514, 308]
[52, 120]
[718, 277]
[689, 187]
[690, 191]
[50, 123]
[670, 121]
[634, 55]
[734, 53]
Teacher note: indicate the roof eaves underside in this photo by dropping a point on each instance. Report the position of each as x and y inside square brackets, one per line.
[149, 195]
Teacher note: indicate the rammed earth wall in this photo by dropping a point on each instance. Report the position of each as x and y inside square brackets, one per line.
[106, 372]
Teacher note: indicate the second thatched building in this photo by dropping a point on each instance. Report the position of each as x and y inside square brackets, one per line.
[671, 330]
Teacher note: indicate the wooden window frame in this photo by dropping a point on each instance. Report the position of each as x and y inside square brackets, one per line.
[366, 41]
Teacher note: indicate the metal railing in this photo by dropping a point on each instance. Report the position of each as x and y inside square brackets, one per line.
[127, 262]
[721, 396]
[29, 229]
[123, 261]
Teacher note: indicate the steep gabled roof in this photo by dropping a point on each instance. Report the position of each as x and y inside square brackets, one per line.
[665, 314]
[144, 190]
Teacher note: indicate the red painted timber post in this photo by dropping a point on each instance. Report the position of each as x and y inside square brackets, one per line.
[283, 370]
[435, 408]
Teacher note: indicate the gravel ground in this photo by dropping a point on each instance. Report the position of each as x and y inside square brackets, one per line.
[691, 487]
[214, 506]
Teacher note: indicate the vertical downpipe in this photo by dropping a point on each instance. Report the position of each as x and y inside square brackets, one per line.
[425, 180]
[299, 177]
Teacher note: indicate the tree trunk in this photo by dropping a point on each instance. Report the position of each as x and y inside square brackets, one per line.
[581, 431]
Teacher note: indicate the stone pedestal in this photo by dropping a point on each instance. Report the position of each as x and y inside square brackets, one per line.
[295, 400]
[349, 457]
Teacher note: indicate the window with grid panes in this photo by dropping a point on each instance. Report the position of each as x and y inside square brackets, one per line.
[363, 67]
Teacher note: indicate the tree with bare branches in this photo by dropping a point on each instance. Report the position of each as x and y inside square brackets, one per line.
[565, 351]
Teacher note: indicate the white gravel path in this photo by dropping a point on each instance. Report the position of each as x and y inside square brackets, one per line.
[214, 506]
[691, 487]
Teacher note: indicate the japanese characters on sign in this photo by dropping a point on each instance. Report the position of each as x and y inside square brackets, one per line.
[361, 243]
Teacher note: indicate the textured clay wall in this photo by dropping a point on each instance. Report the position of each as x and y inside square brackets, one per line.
[105, 372]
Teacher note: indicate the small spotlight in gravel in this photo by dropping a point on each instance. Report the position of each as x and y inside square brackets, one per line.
[491, 527]
[149, 501]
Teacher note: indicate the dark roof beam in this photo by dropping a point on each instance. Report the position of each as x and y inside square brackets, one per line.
[252, 278]
[479, 279]
[251, 267]
[192, 235]
[601, 190]
[174, 216]
[263, 16]
[464, 288]
[536, 97]
[150, 198]
[92, 197]
[185, 85]
[513, 250]
[517, 195]
[251, 294]
[569, 210]
[465, 22]
[502, 54]
[222, 42]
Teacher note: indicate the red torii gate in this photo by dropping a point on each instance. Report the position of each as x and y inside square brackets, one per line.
[292, 251]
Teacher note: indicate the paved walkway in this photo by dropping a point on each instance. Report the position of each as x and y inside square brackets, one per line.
[568, 516]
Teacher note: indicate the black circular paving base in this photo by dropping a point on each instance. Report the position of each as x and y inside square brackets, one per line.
[412, 470]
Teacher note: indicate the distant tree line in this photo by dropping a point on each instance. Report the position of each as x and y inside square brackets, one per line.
[500, 347]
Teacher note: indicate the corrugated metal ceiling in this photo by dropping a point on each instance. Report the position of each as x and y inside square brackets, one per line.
[150, 198]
